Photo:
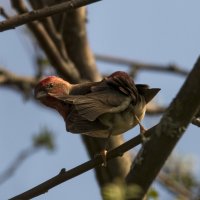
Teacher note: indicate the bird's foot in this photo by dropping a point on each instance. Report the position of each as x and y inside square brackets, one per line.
[142, 133]
[103, 154]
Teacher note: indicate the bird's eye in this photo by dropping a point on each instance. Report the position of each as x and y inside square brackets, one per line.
[50, 85]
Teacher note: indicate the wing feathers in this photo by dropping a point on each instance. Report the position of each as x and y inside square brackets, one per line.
[113, 94]
[95, 104]
[77, 124]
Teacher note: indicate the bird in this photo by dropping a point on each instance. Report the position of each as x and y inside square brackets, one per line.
[101, 109]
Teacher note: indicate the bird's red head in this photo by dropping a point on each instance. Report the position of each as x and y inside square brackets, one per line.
[51, 86]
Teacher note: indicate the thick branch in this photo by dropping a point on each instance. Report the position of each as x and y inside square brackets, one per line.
[19, 20]
[155, 151]
[142, 66]
[76, 41]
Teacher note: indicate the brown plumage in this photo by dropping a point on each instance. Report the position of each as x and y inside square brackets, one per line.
[99, 109]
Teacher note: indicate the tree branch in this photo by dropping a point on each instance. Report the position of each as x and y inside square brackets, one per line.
[142, 66]
[19, 20]
[50, 27]
[63, 67]
[3, 13]
[173, 124]
[173, 186]
[66, 175]
[23, 84]
[76, 41]
[155, 109]
[16, 163]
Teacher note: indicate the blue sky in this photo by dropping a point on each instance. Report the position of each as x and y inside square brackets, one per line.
[151, 31]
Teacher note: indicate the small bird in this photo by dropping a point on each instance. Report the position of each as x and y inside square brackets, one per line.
[98, 109]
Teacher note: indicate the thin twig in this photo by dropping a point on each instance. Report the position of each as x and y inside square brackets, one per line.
[51, 28]
[19, 20]
[174, 186]
[155, 109]
[23, 84]
[142, 66]
[16, 163]
[67, 69]
[3, 13]
[66, 175]
[56, 37]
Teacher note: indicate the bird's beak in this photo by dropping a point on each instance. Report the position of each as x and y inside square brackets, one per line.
[40, 94]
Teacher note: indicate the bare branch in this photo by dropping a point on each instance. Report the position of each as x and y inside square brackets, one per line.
[155, 109]
[50, 27]
[173, 186]
[76, 41]
[43, 139]
[143, 66]
[69, 174]
[63, 67]
[3, 13]
[173, 124]
[119, 151]
[16, 163]
[55, 36]
[19, 20]
[23, 84]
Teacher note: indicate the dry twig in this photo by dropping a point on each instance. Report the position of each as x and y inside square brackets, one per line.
[23, 84]
[16, 163]
[66, 68]
[142, 66]
[69, 174]
[3, 13]
[19, 20]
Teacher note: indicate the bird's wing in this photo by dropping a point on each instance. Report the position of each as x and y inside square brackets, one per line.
[113, 94]
[93, 105]
[78, 124]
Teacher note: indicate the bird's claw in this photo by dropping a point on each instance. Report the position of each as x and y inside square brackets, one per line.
[103, 154]
[142, 129]
[142, 133]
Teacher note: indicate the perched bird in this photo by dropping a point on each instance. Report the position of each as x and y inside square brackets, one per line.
[98, 109]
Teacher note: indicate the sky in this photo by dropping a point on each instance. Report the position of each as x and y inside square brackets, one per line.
[151, 31]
